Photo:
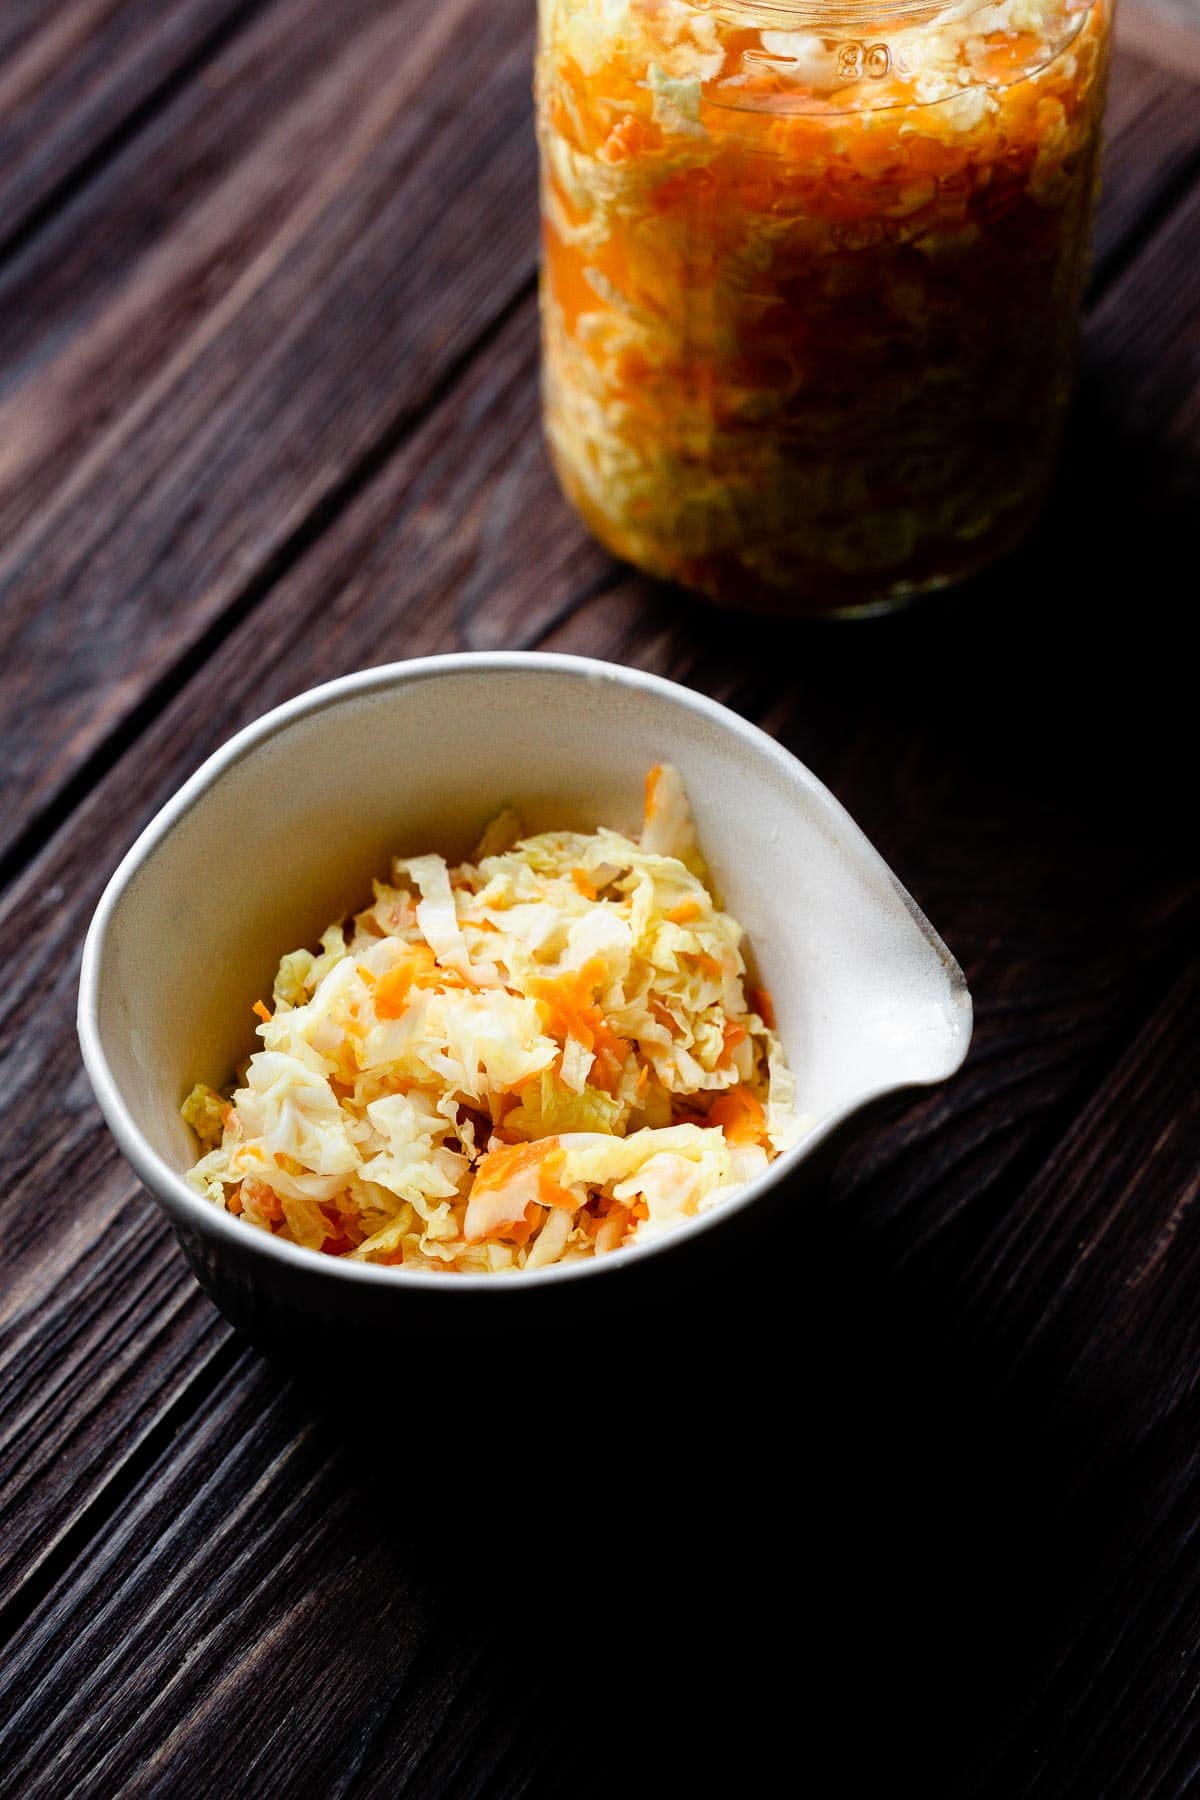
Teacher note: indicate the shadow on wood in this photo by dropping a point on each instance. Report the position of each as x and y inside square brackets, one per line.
[1060, 675]
[809, 1516]
[787, 1523]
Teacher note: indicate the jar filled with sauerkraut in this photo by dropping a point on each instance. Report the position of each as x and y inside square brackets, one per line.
[811, 281]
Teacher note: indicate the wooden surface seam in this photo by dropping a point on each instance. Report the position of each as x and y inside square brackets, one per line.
[268, 412]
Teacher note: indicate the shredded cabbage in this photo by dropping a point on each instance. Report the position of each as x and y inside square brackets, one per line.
[545, 1053]
[809, 296]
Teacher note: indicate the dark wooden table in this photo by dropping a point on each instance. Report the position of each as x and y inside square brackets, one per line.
[919, 1510]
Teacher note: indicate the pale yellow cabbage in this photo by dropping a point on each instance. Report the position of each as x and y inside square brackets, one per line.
[508, 1063]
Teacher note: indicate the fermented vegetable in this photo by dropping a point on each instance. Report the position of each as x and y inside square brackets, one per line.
[546, 1053]
[811, 281]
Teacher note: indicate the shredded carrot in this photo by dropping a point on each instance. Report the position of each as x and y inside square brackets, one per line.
[551, 1192]
[499, 1167]
[663, 1015]
[685, 912]
[593, 1051]
[764, 1006]
[626, 138]
[414, 969]
[521, 1231]
[502, 1169]
[652, 781]
[263, 1198]
[740, 1115]
[569, 1010]
[341, 1240]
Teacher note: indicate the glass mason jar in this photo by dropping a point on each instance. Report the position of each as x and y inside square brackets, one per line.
[811, 281]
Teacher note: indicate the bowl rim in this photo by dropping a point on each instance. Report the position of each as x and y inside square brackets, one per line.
[184, 1205]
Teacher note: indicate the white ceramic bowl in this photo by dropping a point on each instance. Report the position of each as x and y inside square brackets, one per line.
[281, 830]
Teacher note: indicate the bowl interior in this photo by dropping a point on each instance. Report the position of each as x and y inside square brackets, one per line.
[286, 834]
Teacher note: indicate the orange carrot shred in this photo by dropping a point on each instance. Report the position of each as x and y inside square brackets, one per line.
[664, 1016]
[569, 1010]
[764, 1006]
[414, 969]
[520, 1233]
[683, 913]
[739, 1114]
[263, 1011]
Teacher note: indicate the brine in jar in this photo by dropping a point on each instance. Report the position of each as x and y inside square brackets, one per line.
[811, 282]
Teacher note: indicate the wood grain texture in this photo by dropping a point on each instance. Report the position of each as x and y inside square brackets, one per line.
[1146, 357]
[338, 332]
[1163, 32]
[1117, 1712]
[122, 279]
[181, 339]
[1151, 152]
[74, 73]
[459, 542]
[918, 1504]
[1008, 829]
[323, 1605]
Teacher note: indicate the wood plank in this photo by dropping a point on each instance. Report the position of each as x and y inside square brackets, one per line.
[115, 371]
[414, 565]
[1008, 710]
[1007, 706]
[1143, 341]
[1028, 820]
[1151, 147]
[74, 73]
[389, 578]
[208, 1628]
[94, 310]
[304, 1589]
[337, 332]
[1102, 1333]
[1163, 32]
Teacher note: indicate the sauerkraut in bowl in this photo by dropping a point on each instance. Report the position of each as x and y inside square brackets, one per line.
[545, 1053]
[811, 279]
[280, 832]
